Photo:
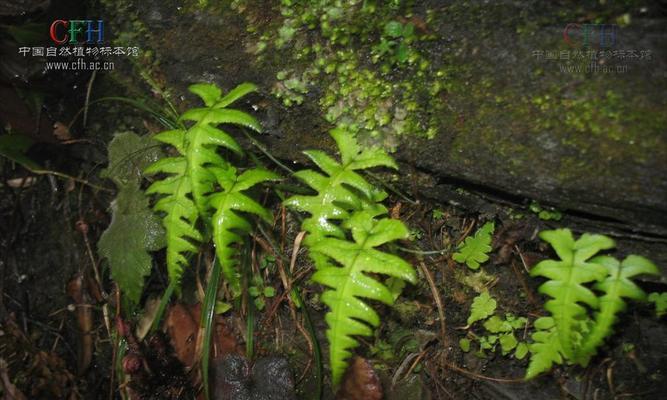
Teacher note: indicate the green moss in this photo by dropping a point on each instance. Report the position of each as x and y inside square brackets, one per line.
[363, 56]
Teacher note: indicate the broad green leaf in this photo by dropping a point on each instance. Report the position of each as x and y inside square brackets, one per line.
[495, 324]
[208, 92]
[235, 94]
[129, 155]
[133, 232]
[521, 351]
[507, 343]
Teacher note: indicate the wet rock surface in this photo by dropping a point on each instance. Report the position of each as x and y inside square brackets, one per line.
[517, 125]
[269, 379]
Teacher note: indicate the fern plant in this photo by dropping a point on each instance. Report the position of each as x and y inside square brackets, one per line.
[475, 249]
[347, 224]
[569, 333]
[188, 198]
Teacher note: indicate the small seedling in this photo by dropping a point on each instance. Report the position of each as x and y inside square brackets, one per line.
[545, 213]
[475, 249]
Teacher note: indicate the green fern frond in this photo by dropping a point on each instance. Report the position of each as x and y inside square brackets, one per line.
[475, 249]
[180, 212]
[191, 177]
[350, 283]
[617, 286]
[228, 225]
[344, 227]
[566, 282]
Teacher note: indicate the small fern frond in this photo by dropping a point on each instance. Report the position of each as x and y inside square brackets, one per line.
[617, 286]
[566, 282]
[228, 224]
[349, 282]
[475, 249]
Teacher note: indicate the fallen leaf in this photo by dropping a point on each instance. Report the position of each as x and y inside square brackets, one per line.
[360, 382]
[183, 328]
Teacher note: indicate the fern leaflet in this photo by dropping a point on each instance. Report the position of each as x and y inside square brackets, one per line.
[546, 350]
[337, 190]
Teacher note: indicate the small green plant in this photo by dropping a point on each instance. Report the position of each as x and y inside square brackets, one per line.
[483, 306]
[660, 301]
[260, 292]
[500, 330]
[545, 213]
[578, 285]
[395, 42]
[475, 249]
[134, 229]
[438, 214]
[346, 225]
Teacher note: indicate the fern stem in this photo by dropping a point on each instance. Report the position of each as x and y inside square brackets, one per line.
[207, 318]
[317, 351]
[250, 315]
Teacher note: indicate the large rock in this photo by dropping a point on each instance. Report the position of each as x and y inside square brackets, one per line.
[507, 118]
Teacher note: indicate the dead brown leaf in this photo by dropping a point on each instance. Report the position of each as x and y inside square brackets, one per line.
[360, 382]
[183, 329]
